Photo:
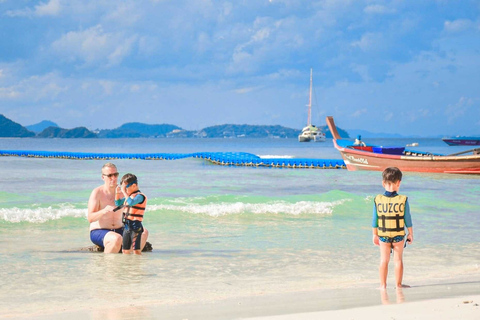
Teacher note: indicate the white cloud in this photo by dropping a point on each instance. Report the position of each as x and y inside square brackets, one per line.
[52, 8]
[458, 109]
[8, 93]
[388, 116]
[359, 112]
[35, 88]
[368, 41]
[108, 86]
[124, 14]
[245, 90]
[94, 46]
[458, 25]
[378, 9]
[261, 35]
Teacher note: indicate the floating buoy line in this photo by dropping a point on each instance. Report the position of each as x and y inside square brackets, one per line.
[219, 158]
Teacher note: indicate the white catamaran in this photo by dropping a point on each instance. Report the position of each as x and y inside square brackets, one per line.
[310, 132]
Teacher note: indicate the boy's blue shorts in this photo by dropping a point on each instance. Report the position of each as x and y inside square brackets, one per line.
[391, 240]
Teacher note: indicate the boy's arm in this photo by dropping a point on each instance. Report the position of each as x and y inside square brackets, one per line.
[119, 200]
[375, 225]
[375, 236]
[135, 200]
[410, 235]
[408, 222]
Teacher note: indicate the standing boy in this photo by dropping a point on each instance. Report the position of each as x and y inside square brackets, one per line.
[134, 202]
[391, 214]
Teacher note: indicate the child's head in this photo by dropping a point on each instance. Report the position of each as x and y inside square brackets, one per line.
[392, 175]
[391, 179]
[129, 179]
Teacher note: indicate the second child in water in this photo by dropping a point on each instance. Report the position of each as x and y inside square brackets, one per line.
[134, 203]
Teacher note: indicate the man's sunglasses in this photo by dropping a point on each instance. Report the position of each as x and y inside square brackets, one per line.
[111, 175]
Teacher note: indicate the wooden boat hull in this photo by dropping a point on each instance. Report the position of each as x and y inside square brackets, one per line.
[364, 160]
[356, 159]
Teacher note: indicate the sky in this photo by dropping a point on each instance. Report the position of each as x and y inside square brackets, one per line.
[408, 67]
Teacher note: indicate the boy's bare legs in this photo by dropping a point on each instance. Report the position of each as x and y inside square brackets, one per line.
[384, 260]
[398, 259]
[144, 239]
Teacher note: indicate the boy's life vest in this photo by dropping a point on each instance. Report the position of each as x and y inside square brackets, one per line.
[391, 213]
[135, 212]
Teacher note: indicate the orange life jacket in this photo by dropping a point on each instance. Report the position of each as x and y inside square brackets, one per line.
[136, 212]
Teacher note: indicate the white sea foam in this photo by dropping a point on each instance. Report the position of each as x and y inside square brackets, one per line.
[40, 215]
[214, 209]
[277, 207]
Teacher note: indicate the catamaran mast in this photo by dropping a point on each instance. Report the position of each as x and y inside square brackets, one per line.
[310, 101]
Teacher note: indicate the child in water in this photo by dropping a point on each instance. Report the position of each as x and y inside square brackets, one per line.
[391, 214]
[134, 203]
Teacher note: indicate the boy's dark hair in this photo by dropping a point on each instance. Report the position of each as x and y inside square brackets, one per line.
[392, 174]
[129, 178]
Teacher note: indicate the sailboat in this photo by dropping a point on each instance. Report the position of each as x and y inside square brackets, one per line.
[311, 132]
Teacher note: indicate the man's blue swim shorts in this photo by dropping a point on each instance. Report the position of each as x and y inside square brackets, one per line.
[98, 235]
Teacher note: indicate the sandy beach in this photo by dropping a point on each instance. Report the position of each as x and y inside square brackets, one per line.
[462, 307]
[440, 301]
[465, 308]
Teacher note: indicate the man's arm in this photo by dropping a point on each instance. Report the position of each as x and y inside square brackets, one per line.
[94, 211]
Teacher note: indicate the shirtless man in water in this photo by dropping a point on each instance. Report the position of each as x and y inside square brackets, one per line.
[106, 226]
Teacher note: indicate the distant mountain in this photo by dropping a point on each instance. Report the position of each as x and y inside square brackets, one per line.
[139, 130]
[9, 128]
[250, 131]
[368, 134]
[39, 127]
[328, 134]
[56, 132]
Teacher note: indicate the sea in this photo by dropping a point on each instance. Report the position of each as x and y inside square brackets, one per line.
[221, 232]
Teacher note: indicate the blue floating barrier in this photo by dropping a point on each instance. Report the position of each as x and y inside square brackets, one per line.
[223, 158]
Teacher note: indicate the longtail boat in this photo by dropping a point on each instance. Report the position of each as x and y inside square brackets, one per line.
[462, 141]
[361, 156]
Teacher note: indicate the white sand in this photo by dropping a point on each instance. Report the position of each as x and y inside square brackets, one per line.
[453, 301]
[464, 308]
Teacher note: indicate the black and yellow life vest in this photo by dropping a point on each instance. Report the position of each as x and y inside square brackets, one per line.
[135, 212]
[391, 212]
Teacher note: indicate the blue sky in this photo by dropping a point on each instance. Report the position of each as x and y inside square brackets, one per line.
[409, 67]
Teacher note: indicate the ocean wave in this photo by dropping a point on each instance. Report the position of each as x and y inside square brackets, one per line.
[195, 206]
[277, 207]
[41, 215]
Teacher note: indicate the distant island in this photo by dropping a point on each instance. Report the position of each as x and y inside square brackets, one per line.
[49, 129]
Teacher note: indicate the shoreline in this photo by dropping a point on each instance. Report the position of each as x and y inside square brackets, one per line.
[455, 300]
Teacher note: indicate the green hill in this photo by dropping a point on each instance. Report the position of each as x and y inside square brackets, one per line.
[250, 131]
[139, 130]
[56, 132]
[9, 128]
[39, 127]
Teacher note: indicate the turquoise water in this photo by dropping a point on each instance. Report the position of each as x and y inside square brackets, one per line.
[219, 232]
